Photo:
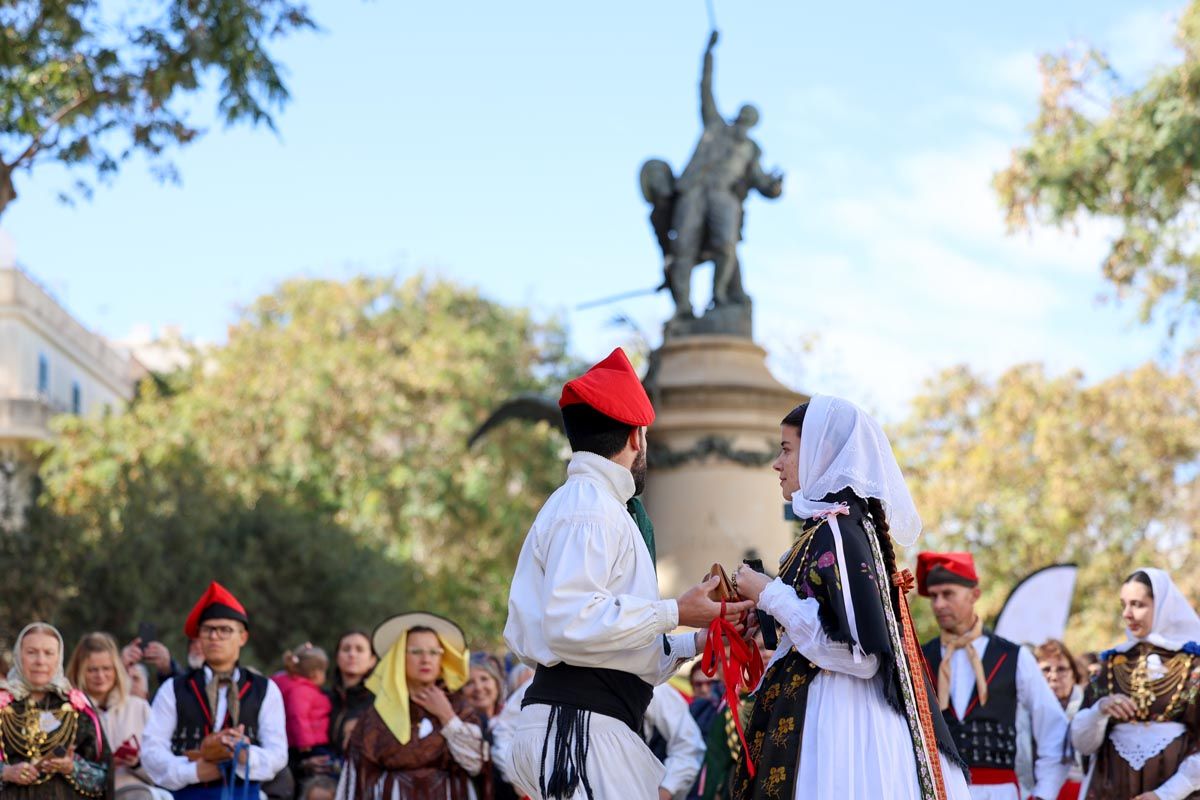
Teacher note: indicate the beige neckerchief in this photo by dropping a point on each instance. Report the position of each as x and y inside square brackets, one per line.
[964, 642]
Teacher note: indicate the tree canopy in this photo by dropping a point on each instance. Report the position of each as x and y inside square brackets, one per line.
[316, 463]
[88, 85]
[1032, 469]
[1130, 155]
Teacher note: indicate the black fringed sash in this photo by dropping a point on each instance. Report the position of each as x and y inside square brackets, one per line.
[573, 695]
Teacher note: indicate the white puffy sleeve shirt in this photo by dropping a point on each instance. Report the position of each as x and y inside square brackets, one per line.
[585, 591]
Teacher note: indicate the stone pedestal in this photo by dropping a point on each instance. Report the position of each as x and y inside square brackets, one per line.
[711, 491]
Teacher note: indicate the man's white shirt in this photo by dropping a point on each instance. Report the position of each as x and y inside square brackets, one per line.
[174, 772]
[585, 591]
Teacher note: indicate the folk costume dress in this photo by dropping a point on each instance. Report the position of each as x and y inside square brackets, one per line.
[836, 714]
[1160, 751]
[201, 702]
[398, 750]
[984, 683]
[63, 719]
[584, 608]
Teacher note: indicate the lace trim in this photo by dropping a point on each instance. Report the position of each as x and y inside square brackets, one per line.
[1138, 742]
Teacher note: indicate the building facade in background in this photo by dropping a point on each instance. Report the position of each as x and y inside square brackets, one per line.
[50, 364]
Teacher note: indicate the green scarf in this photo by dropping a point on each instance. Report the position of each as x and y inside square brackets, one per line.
[645, 526]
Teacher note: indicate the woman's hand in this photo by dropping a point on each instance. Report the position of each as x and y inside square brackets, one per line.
[1147, 796]
[63, 765]
[22, 773]
[1119, 707]
[749, 583]
[434, 700]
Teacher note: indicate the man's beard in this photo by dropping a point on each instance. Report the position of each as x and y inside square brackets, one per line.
[639, 473]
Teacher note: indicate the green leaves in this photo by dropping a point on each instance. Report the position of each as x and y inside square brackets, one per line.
[1032, 469]
[1128, 155]
[319, 461]
[89, 89]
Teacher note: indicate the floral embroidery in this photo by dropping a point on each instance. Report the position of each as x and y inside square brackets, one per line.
[6, 698]
[775, 781]
[826, 560]
[785, 726]
[807, 590]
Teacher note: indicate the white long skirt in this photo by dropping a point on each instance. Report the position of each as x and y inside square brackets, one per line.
[619, 764]
[855, 747]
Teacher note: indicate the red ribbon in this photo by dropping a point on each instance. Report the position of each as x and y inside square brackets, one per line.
[740, 662]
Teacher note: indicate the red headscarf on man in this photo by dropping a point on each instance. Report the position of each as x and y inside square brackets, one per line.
[612, 388]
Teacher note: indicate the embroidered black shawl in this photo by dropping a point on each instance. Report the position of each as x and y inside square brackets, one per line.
[776, 722]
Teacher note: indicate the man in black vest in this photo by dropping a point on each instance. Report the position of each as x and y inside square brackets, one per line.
[982, 680]
[217, 724]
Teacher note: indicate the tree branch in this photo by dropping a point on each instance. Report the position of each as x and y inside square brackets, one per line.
[55, 118]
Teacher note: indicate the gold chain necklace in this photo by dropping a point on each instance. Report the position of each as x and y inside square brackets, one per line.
[1132, 678]
[800, 547]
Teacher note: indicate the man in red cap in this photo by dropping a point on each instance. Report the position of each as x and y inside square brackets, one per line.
[982, 682]
[584, 606]
[219, 723]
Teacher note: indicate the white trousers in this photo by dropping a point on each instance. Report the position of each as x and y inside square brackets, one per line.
[619, 764]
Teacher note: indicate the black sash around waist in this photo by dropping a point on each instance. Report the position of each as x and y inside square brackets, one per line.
[620, 695]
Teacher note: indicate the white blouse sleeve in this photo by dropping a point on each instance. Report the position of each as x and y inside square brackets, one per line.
[801, 620]
[582, 618]
[466, 744]
[1088, 729]
[1185, 781]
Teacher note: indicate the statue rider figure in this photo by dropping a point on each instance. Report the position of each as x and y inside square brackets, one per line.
[707, 214]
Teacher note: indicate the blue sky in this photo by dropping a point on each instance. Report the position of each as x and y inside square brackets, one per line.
[499, 144]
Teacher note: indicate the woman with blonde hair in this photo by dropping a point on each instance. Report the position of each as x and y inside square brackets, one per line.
[51, 738]
[97, 669]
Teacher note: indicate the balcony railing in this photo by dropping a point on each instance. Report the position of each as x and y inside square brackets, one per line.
[23, 418]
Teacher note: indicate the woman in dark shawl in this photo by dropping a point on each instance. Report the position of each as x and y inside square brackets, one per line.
[420, 740]
[844, 708]
[53, 746]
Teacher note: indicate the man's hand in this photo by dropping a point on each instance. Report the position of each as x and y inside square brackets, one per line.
[213, 748]
[663, 794]
[231, 738]
[206, 771]
[157, 654]
[697, 611]
[434, 700]
[1119, 707]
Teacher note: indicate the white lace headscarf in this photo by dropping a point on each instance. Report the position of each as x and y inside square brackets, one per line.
[842, 447]
[1175, 621]
[16, 683]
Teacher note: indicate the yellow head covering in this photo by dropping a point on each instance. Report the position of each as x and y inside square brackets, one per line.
[389, 681]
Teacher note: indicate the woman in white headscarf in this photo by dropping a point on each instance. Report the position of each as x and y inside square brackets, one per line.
[53, 743]
[844, 708]
[1141, 719]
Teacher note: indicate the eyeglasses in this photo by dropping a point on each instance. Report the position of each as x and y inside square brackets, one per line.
[220, 632]
[421, 651]
[1049, 670]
